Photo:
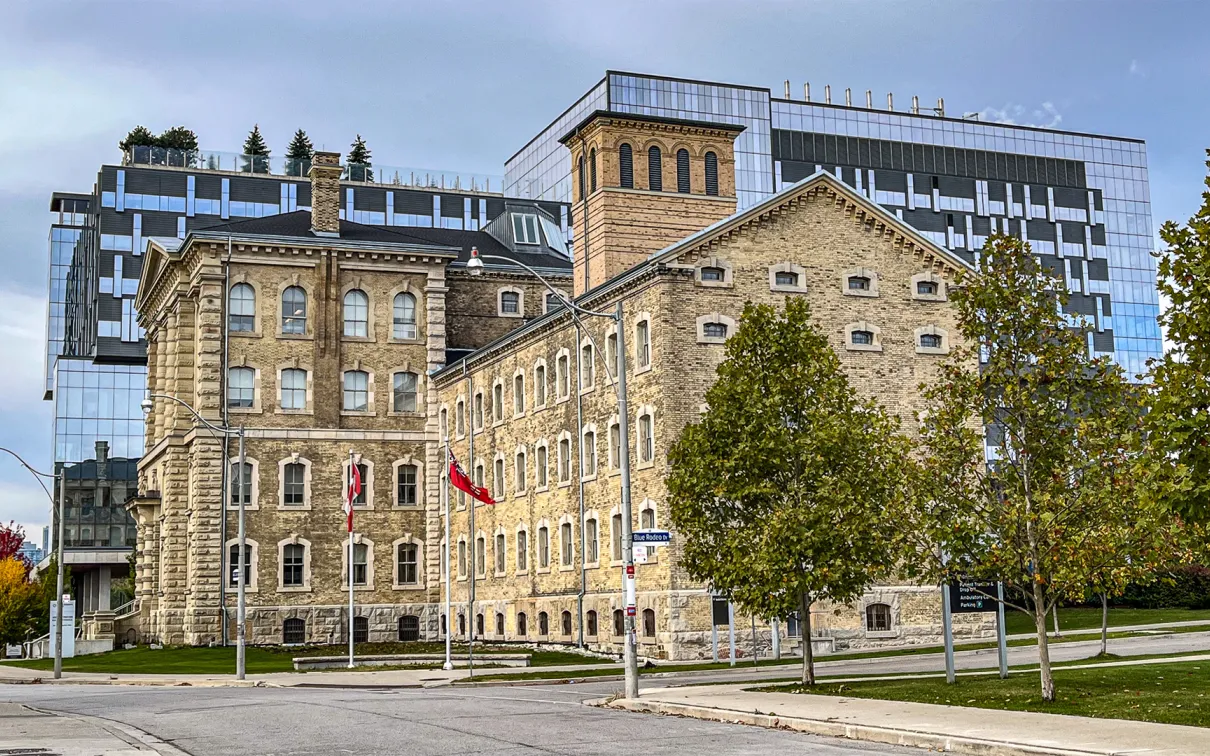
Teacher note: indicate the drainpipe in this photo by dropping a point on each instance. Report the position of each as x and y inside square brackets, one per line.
[222, 559]
[584, 211]
[580, 489]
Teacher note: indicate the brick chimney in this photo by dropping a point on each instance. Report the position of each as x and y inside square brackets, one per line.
[622, 212]
[325, 194]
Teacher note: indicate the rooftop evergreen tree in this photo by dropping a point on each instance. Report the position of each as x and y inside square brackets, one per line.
[139, 136]
[784, 490]
[359, 161]
[178, 138]
[299, 154]
[256, 152]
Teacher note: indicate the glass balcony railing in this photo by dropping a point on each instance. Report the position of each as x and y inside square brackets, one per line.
[207, 160]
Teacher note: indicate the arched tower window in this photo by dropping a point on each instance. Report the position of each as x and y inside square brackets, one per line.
[582, 179]
[712, 174]
[655, 169]
[625, 166]
[682, 171]
[592, 169]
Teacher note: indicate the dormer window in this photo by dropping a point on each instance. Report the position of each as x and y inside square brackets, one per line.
[713, 274]
[859, 283]
[926, 288]
[525, 228]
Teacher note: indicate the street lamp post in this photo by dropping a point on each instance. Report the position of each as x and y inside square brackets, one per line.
[61, 476]
[630, 658]
[241, 604]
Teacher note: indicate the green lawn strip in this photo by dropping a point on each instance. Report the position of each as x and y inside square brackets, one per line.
[1085, 618]
[1175, 693]
[185, 660]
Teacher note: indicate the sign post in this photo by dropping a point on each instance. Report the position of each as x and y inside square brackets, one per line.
[947, 621]
[718, 616]
[69, 627]
[1001, 636]
[969, 597]
[731, 631]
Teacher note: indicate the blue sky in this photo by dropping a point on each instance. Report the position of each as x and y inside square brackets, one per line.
[461, 86]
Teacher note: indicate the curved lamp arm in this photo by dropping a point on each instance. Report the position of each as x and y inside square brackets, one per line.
[37, 474]
[214, 428]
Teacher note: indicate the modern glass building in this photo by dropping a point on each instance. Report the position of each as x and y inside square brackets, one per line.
[1081, 200]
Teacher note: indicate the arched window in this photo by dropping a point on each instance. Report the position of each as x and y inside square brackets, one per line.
[522, 624]
[241, 387]
[403, 392]
[711, 174]
[592, 169]
[500, 623]
[565, 622]
[294, 310]
[444, 630]
[241, 308]
[233, 565]
[642, 343]
[655, 169]
[648, 623]
[564, 460]
[409, 628]
[361, 629]
[293, 389]
[462, 625]
[583, 177]
[479, 624]
[522, 551]
[543, 547]
[562, 376]
[500, 555]
[590, 621]
[625, 166]
[294, 630]
[403, 317]
[498, 402]
[540, 465]
[587, 374]
[519, 466]
[591, 540]
[878, 618]
[682, 171]
[619, 623]
[510, 303]
[588, 454]
[519, 394]
[646, 438]
[543, 624]
[293, 556]
[565, 542]
[615, 537]
[540, 385]
[356, 391]
[356, 313]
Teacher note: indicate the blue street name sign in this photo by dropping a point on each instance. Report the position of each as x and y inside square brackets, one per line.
[652, 536]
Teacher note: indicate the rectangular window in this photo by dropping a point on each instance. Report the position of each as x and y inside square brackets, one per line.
[500, 553]
[540, 386]
[233, 565]
[646, 439]
[525, 228]
[404, 392]
[543, 548]
[240, 493]
[293, 389]
[518, 394]
[407, 486]
[510, 303]
[292, 564]
[356, 391]
[540, 467]
[408, 573]
[565, 543]
[590, 541]
[586, 367]
[589, 454]
[360, 555]
[363, 471]
[522, 551]
[293, 484]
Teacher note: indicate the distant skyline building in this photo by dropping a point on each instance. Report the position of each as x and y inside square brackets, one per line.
[1081, 200]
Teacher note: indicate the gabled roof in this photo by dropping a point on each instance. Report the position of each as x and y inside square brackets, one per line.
[861, 206]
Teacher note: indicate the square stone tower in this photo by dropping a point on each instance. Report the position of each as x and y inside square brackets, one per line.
[641, 183]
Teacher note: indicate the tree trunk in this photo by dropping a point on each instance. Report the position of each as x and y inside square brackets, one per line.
[1104, 624]
[808, 654]
[1048, 680]
[1054, 613]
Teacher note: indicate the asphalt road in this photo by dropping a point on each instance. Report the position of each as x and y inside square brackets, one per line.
[438, 721]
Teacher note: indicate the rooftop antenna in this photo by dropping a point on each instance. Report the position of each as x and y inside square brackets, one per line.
[827, 93]
[787, 89]
[848, 96]
[806, 90]
[869, 99]
[890, 101]
[915, 105]
[940, 109]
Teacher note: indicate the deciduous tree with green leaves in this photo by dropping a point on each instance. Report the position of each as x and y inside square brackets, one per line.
[256, 152]
[299, 154]
[1179, 421]
[784, 490]
[1057, 510]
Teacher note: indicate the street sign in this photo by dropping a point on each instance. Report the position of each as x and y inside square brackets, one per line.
[69, 627]
[652, 537]
[719, 615]
[969, 597]
[640, 553]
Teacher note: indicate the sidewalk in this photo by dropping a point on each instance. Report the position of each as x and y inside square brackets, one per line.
[943, 728]
[27, 730]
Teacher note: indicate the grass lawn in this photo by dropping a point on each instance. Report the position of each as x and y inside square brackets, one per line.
[221, 661]
[1177, 693]
[1081, 618]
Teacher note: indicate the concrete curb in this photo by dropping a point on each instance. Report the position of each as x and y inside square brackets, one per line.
[124, 732]
[142, 682]
[869, 733]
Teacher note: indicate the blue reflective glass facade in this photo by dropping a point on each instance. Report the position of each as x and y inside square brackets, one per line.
[95, 402]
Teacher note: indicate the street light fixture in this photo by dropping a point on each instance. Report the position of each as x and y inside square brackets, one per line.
[61, 476]
[241, 605]
[475, 267]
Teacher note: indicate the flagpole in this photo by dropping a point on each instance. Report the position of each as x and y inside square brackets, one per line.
[474, 542]
[352, 473]
[445, 502]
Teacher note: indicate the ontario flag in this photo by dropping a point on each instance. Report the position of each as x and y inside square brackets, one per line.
[353, 492]
[463, 482]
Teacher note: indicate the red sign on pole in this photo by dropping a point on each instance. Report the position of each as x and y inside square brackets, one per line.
[630, 570]
[630, 611]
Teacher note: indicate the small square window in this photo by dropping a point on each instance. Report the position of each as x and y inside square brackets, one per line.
[859, 283]
[510, 303]
[713, 274]
[863, 337]
[786, 279]
[930, 340]
[714, 330]
[525, 228]
[926, 288]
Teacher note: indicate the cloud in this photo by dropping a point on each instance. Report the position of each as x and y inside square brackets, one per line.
[22, 341]
[1045, 116]
[24, 502]
[1137, 69]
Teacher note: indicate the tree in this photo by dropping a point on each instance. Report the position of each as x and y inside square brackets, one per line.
[359, 161]
[139, 136]
[1057, 508]
[256, 152]
[12, 536]
[178, 138]
[299, 154]
[1179, 421]
[47, 587]
[784, 487]
[18, 600]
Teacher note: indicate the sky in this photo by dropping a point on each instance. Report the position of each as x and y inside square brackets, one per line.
[462, 86]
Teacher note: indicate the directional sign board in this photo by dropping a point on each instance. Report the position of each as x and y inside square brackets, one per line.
[652, 537]
[968, 597]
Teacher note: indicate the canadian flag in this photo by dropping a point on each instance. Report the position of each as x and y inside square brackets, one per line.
[354, 491]
[462, 482]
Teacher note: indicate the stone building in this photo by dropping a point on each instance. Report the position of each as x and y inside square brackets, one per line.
[293, 327]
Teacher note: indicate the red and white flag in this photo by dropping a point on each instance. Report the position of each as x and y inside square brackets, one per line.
[353, 493]
[460, 480]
